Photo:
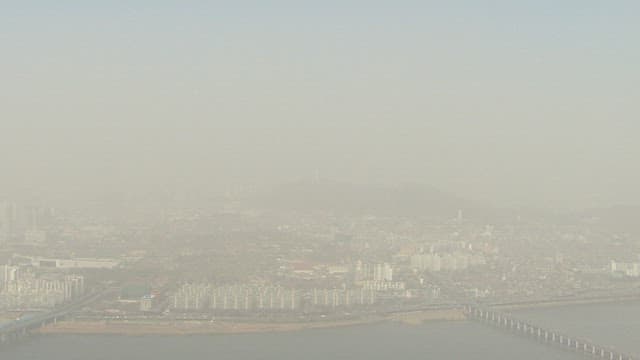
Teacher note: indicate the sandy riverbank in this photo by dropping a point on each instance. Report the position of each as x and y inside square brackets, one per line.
[227, 327]
[165, 327]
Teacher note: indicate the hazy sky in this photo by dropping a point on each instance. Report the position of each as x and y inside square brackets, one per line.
[521, 102]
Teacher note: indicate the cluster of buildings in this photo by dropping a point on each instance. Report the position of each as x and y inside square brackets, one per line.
[236, 298]
[335, 298]
[23, 224]
[381, 285]
[376, 272]
[455, 261]
[24, 289]
[147, 303]
[377, 277]
[70, 263]
[625, 269]
[267, 298]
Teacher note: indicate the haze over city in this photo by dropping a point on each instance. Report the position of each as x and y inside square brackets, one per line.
[518, 104]
[332, 180]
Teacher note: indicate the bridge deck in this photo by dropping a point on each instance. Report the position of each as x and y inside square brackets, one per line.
[547, 336]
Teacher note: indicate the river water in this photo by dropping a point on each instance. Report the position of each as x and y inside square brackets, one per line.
[617, 325]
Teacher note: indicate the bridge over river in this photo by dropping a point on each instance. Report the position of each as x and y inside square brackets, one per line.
[550, 337]
[20, 328]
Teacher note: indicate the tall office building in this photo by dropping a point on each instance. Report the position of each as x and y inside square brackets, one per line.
[23, 223]
[10, 276]
[8, 222]
[383, 272]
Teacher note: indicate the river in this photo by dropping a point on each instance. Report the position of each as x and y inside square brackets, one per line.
[617, 325]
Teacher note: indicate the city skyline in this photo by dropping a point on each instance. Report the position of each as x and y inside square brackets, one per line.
[319, 180]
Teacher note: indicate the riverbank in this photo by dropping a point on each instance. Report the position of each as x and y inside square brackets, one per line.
[160, 327]
[540, 304]
[203, 327]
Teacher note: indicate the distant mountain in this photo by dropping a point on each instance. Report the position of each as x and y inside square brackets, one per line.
[411, 199]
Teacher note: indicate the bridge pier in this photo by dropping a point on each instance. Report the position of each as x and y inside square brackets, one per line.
[513, 325]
